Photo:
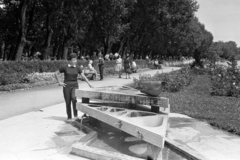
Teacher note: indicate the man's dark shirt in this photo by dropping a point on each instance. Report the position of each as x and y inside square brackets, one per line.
[70, 73]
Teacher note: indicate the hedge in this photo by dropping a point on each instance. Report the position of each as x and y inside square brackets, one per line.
[16, 72]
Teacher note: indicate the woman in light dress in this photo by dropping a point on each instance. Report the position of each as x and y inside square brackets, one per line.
[119, 66]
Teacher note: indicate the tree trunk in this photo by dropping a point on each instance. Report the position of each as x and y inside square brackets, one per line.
[60, 52]
[55, 50]
[23, 30]
[65, 50]
[197, 59]
[121, 47]
[32, 49]
[2, 50]
[48, 38]
[5, 53]
[11, 53]
[80, 50]
[66, 40]
[109, 48]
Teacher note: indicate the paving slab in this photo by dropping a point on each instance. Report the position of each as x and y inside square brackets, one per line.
[34, 136]
[212, 143]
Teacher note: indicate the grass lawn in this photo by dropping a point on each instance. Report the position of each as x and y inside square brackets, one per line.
[196, 101]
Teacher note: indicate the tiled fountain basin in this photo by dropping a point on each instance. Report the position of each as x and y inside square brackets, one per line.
[147, 119]
[107, 142]
[148, 126]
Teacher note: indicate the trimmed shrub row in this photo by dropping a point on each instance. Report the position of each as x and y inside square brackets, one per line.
[15, 72]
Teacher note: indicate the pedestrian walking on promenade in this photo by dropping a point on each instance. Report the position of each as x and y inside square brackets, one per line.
[127, 67]
[134, 66]
[101, 65]
[119, 66]
[70, 84]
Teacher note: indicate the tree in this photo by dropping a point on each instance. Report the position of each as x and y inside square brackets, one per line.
[24, 4]
[214, 52]
[55, 28]
[198, 40]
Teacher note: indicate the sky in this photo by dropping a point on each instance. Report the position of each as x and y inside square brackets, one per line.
[221, 18]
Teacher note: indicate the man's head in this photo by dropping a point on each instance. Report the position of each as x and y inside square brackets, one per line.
[73, 58]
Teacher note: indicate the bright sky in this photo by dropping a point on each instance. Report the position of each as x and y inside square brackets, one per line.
[221, 18]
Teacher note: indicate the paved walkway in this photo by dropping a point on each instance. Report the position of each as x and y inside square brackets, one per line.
[23, 101]
[43, 134]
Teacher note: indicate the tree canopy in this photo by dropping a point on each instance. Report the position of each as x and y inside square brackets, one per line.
[157, 28]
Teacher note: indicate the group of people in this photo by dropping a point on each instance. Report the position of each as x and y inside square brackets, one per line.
[155, 63]
[127, 65]
[99, 62]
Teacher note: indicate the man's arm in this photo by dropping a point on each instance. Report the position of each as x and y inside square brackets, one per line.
[82, 74]
[58, 79]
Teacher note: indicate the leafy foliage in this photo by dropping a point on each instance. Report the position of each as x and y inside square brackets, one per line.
[225, 81]
[175, 80]
[57, 28]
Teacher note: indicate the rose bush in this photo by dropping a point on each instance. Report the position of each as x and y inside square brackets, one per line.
[225, 81]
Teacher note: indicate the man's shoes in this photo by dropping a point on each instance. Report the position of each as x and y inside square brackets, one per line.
[69, 120]
[75, 119]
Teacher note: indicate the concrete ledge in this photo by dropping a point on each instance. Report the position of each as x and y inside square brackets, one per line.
[186, 151]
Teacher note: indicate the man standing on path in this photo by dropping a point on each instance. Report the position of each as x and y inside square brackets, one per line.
[70, 84]
[101, 65]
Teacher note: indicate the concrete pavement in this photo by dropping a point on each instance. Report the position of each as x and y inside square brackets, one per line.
[202, 139]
